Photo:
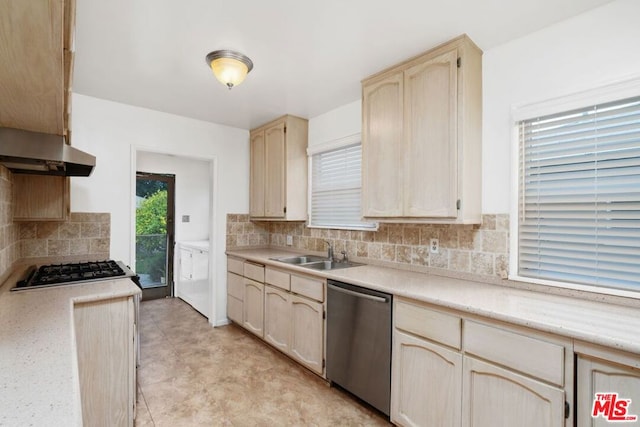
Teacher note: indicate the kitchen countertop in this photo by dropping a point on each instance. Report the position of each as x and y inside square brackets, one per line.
[594, 322]
[39, 377]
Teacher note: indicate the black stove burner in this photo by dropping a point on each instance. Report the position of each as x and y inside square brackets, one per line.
[55, 274]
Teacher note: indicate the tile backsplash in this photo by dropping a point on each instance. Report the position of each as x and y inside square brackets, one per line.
[468, 249]
[84, 234]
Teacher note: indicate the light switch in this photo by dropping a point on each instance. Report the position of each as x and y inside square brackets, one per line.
[186, 218]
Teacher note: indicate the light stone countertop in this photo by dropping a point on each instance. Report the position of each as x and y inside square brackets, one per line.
[596, 322]
[39, 372]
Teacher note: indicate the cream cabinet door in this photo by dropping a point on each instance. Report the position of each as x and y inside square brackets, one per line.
[430, 135]
[426, 383]
[274, 203]
[186, 264]
[235, 295]
[598, 376]
[496, 397]
[253, 307]
[257, 171]
[277, 318]
[40, 198]
[104, 332]
[307, 333]
[382, 150]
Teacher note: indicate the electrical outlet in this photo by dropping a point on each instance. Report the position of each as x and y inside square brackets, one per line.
[434, 246]
[186, 218]
[289, 240]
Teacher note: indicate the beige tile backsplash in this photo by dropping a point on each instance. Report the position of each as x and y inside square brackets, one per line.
[468, 249]
[84, 234]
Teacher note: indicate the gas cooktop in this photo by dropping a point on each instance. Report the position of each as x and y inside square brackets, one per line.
[65, 274]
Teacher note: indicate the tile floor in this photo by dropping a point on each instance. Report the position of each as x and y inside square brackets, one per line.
[195, 375]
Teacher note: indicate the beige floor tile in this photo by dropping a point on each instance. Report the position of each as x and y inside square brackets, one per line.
[194, 375]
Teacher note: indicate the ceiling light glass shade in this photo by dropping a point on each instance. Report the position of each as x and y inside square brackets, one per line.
[229, 67]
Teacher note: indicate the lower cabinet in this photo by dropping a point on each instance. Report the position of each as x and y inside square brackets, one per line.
[595, 376]
[307, 333]
[287, 310]
[416, 401]
[253, 307]
[499, 397]
[277, 318]
[452, 370]
[105, 345]
[235, 295]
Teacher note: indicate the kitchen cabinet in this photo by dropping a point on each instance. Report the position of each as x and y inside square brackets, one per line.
[500, 397]
[307, 337]
[286, 309]
[278, 170]
[426, 383]
[426, 376]
[449, 368]
[105, 332]
[421, 138]
[253, 307]
[606, 371]
[277, 318]
[235, 290]
[40, 198]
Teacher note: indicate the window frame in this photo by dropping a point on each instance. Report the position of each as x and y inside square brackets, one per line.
[332, 145]
[614, 91]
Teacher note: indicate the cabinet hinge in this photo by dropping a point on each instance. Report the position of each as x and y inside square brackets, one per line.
[323, 363]
[459, 62]
[285, 129]
[567, 410]
[458, 204]
[285, 209]
[324, 314]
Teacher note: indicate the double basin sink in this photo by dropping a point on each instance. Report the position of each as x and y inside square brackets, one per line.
[316, 262]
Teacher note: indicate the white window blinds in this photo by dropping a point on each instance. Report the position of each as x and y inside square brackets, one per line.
[336, 183]
[579, 196]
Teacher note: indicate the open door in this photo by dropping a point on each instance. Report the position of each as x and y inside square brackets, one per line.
[155, 233]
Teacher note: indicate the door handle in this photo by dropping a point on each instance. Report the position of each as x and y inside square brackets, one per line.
[358, 294]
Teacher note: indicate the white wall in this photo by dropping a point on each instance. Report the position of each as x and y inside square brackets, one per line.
[583, 52]
[109, 130]
[588, 50]
[192, 188]
[338, 123]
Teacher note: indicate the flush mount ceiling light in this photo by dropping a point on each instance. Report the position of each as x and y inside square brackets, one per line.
[229, 67]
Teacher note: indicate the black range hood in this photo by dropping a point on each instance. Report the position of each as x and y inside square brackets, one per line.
[38, 153]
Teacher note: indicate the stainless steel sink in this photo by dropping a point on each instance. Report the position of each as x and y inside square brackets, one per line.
[330, 265]
[302, 259]
[315, 262]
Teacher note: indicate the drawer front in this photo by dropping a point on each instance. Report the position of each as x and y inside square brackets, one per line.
[309, 287]
[235, 266]
[235, 288]
[425, 322]
[254, 271]
[234, 309]
[277, 278]
[531, 356]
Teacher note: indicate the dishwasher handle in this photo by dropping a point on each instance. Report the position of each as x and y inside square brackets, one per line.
[358, 294]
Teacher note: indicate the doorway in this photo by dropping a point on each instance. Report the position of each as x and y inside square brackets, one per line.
[155, 233]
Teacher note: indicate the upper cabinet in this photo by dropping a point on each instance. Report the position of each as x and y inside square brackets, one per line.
[36, 44]
[278, 182]
[422, 136]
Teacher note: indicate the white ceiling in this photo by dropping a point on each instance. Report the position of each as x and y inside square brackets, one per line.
[309, 57]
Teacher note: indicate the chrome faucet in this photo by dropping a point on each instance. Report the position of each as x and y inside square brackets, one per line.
[344, 256]
[329, 250]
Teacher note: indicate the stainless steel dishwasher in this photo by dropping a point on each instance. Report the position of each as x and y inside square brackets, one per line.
[359, 342]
